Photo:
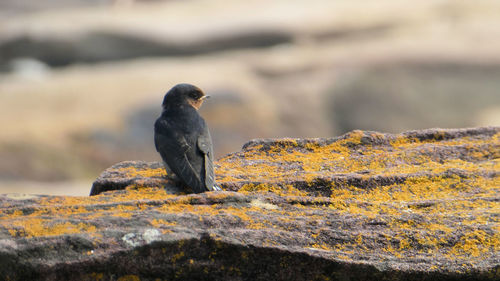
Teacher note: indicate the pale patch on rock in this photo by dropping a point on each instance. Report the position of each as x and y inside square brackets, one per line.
[6, 243]
[263, 205]
[131, 239]
[151, 235]
[148, 236]
[20, 196]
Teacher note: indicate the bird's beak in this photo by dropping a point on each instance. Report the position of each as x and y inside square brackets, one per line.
[204, 97]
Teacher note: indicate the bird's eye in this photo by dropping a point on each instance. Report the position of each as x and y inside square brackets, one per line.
[197, 95]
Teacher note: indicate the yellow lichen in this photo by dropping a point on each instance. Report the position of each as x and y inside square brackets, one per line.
[159, 223]
[129, 278]
[134, 172]
[177, 256]
[265, 188]
[44, 227]
[423, 213]
[97, 276]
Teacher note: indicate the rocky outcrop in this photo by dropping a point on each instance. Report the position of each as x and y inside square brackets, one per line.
[421, 205]
[120, 46]
[371, 100]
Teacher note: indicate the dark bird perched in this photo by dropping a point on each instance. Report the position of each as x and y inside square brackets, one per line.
[183, 140]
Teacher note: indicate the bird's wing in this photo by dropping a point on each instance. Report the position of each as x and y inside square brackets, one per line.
[205, 145]
[173, 148]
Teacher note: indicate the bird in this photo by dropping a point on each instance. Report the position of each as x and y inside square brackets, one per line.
[183, 140]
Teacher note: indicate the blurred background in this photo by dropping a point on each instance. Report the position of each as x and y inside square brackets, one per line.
[81, 81]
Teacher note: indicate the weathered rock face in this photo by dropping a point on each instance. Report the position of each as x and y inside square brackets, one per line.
[421, 205]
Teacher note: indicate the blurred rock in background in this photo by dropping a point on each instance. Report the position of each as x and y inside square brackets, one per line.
[420, 95]
[81, 82]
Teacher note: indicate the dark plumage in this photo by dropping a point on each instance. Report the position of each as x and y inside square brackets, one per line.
[183, 140]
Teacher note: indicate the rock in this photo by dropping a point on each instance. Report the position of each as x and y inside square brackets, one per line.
[420, 98]
[422, 205]
[70, 49]
[16, 7]
[134, 174]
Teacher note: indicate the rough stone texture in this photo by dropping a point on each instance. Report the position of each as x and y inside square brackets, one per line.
[134, 173]
[421, 205]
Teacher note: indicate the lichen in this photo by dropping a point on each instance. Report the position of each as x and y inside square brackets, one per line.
[134, 172]
[451, 195]
[129, 278]
[401, 155]
[446, 206]
[32, 227]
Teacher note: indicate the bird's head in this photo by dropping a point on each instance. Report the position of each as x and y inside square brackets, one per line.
[184, 94]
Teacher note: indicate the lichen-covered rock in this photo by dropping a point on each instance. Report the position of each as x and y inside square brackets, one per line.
[134, 173]
[421, 205]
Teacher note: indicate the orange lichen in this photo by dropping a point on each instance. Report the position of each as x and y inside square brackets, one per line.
[421, 213]
[286, 190]
[44, 227]
[161, 223]
[129, 278]
[453, 195]
[476, 243]
[134, 172]
[407, 155]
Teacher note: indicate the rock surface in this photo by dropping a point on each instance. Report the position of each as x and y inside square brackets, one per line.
[421, 205]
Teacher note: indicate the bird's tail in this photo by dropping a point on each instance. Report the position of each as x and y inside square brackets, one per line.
[216, 188]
